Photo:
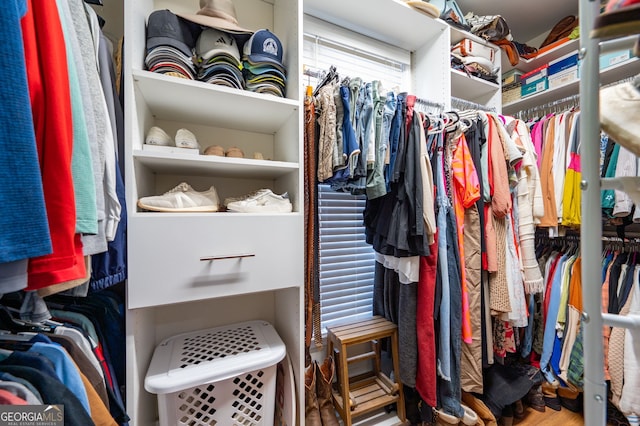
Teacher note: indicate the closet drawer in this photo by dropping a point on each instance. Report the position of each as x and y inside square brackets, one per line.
[178, 258]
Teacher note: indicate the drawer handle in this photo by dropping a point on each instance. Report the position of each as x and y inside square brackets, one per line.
[231, 256]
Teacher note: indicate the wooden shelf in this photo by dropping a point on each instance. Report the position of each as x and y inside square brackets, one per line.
[367, 394]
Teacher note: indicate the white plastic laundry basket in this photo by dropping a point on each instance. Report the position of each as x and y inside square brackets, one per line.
[222, 376]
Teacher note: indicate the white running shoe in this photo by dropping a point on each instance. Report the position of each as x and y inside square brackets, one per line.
[182, 198]
[157, 136]
[261, 201]
[186, 139]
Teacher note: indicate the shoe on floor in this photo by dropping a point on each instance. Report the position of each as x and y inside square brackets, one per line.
[157, 136]
[620, 114]
[186, 139]
[182, 198]
[620, 18]
[262, 201]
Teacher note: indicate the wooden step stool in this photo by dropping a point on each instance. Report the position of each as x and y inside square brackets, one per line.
[367, 392]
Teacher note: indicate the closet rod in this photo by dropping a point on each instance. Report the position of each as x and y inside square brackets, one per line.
[428, 103]
[458, 103]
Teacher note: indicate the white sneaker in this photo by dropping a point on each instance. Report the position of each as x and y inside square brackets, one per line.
[186, 139]
[620, 114]
[182, 198]
[157, 136]
[261, 201]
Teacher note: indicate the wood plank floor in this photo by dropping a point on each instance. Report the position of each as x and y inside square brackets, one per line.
[550, 417]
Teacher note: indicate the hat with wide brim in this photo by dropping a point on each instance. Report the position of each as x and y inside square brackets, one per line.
[218, 14]
[425, 7]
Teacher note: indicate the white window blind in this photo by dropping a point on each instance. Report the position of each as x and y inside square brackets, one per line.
[346, 261]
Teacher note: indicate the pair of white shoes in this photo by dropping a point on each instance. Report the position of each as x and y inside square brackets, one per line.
[184, 138]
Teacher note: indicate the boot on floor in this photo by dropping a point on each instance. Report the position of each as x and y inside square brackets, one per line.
[311, 411]
[444, 419]
[324, 379]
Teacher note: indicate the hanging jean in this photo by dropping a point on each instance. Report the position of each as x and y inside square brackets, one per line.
[394, 137]
[375, 180]
[364, 130]
[450, 326]
[449, 392]
[528, 332]
[376, 185]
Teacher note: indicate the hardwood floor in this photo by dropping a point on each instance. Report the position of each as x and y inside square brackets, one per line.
[550, 417]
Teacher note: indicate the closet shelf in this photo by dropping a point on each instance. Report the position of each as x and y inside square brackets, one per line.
[471, 88]
[609, 75]
[211, 165]
[457, 35]
[526, 65]
[175, 99]
[384, 20]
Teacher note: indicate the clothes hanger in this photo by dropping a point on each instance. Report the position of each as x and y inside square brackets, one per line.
[96, 2]
[9, 323]
[332, 74]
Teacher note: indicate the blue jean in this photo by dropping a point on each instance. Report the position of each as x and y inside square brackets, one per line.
[394, 137]
[365, 128]
[376, 186]
[527, 342]
[550, 321]
[449, 391]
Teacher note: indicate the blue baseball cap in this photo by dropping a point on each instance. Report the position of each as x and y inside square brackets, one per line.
[264, 47]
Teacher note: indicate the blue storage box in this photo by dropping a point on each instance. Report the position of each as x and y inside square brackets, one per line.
[563, 63]
[535, 75]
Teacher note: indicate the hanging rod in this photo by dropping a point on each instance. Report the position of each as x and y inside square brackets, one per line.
[465, 104]
[428, 103]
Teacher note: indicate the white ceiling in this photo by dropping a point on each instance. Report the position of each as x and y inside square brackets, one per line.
[527, 19]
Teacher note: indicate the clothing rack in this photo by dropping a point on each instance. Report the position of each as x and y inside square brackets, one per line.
[458, 103]
[431, 104]
[556, 106]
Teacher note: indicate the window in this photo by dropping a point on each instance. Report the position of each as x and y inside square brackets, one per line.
[346, 261]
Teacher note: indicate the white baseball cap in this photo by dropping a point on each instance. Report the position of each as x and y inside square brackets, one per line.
[214, 42]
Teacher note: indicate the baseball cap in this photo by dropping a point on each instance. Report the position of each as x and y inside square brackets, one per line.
[164, 28]
[214, 42]
[263, 46]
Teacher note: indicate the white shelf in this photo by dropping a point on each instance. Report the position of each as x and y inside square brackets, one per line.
[390, 21]
[612, 74]
[457, 35]
[176, 99]
[212, 165]
[471, 88]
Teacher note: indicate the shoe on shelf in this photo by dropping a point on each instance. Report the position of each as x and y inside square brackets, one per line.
[620, 113]
[620, 18]
[261, 201]
[214, 150]
[186, 139]
[157, 136]
[235, 152]
[182, 198]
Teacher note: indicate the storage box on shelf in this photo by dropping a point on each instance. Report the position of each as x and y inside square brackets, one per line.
[189, 271]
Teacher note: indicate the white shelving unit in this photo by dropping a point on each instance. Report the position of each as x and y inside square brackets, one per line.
[194, 271]
[471, 88]
[429, 42]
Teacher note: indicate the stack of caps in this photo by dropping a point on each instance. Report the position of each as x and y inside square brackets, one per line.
[262, 64]
[218, 59]
[170, 43]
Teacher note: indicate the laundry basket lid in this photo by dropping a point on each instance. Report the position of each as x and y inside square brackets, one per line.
[212, 355]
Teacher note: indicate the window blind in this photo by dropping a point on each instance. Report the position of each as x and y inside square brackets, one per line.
[346, 261]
